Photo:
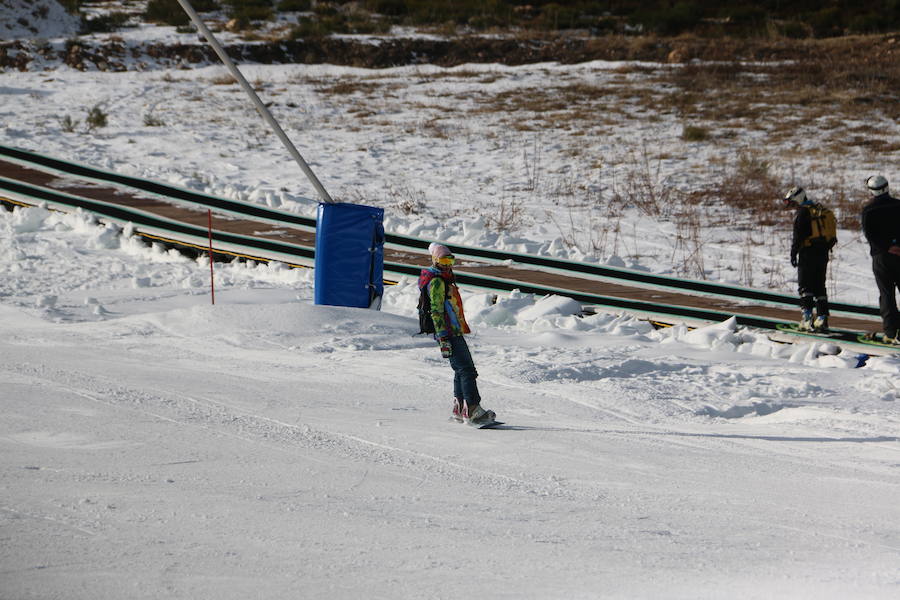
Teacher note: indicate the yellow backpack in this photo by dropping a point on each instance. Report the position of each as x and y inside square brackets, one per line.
[824, 227]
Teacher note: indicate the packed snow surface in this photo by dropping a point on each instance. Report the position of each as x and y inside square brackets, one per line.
[156, 445]
[153, 445]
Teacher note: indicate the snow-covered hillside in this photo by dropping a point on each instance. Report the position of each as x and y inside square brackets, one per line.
[29, 19]
[480, 154]
[153, 445]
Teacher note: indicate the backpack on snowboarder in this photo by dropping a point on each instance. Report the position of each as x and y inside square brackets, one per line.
[426, 323]
[824, 227]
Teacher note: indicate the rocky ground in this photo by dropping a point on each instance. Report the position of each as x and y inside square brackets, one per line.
[112, 53]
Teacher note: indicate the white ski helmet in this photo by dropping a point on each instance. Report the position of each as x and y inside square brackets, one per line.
[877, 185]
[796, 195]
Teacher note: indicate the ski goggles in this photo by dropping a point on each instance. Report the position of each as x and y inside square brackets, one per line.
[445, 261]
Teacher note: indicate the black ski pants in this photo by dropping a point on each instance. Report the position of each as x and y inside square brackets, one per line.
[886, 268]
[812, 267]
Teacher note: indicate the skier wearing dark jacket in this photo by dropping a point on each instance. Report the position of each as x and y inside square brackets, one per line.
[449, 324]
[810, 255]
[881, 226]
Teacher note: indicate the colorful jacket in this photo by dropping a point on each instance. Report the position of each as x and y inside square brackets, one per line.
[446, 304]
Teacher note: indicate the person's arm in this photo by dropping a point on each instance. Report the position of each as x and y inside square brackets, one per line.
[893, 238]
[802, 230]
[864, 224]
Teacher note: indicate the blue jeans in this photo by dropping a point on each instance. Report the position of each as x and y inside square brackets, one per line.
[464, 373]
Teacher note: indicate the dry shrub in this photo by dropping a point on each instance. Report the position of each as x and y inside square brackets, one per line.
[702, 77]
[643, 186]
[436, 128]
[508, 216]
[566, 107]
[482, 76]
[400, 197]
[688, 247]
[693, 133]
[742, 193]
[347, 86]
[592, 222]
[875, 145]
[223, 80]
[822, 80]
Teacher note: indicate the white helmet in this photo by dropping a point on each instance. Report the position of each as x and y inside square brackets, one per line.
[796, 195]
[877, 185]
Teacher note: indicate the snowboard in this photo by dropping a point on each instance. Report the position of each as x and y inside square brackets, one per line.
[839, 335]
[876, 339]
[488, 425]
[795, 328]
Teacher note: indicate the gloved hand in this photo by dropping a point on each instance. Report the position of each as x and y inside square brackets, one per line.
[446, 350]
[793, 260]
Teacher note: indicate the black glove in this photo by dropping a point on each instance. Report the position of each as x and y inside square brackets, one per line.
[446, 350]
[793, 260]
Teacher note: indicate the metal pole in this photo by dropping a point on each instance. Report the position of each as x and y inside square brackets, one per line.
[260, 107]
[212, 278]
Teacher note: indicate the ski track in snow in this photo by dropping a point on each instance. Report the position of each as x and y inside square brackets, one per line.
[219, 418]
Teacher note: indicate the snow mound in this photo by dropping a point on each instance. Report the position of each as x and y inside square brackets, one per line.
[322, 329]
[550, 306]
[29, 19]
[582, 369]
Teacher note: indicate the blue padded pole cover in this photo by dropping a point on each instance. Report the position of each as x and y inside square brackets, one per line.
[349, 255]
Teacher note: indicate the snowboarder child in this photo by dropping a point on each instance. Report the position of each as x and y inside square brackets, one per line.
[814, 237]
[441, 313]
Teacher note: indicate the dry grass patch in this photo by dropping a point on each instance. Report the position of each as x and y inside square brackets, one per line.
[361, 112]
[744, 193]
[223, 80]
[874, 144]
[577, 106]
[483, 77]
[820, 81]
[693, 133]
[346, 87]
[436, 129]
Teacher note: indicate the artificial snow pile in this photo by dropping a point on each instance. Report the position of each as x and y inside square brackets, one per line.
[29, 19]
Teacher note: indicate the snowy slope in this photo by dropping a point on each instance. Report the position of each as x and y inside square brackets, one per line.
[438, 149]
[28, 19]
[155, 446]
[206, 136]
